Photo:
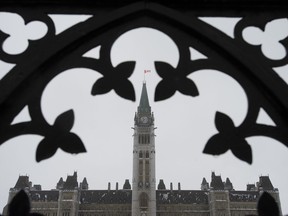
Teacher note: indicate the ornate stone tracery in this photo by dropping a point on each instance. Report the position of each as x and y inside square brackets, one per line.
[40, 57]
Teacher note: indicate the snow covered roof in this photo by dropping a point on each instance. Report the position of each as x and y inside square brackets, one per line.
[181, 197]
[244, 196]
[106, 197]
[44, 195]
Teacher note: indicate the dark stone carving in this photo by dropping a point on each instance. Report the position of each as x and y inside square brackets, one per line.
[267, 205]
[51, 55]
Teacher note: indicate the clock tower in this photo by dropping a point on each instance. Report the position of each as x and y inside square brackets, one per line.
[143, 180]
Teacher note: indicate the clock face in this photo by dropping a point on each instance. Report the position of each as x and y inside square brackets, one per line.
[144, 119]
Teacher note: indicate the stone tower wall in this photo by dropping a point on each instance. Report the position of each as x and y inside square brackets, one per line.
[219, 203]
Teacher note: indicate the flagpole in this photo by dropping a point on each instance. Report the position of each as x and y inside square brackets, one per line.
[146, 71]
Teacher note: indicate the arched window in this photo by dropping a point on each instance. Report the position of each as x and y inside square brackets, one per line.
[147, 168]
[141, 167]
[147, 154]
[140, 154]
[143, 200]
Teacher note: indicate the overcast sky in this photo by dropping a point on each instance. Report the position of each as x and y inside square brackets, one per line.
[184, 124]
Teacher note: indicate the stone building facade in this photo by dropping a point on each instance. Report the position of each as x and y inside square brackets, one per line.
[73, 198]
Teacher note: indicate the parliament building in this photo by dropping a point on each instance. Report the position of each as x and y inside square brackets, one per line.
[143, 196]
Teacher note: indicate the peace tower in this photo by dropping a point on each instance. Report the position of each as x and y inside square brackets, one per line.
[144, 180]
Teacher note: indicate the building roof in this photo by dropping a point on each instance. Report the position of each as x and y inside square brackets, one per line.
[60, 184]
[144, 106]
[181, 197]
[251, 187]
[216, 182]
[127, 185]
[265, 183]
[204, 182]
[71, 182]
[161, 185]
[228, 184]
[106, 197]
[22, 182]
[84, 184]
[162, 197]
[84, 181]
[44, 195]
[244, 196]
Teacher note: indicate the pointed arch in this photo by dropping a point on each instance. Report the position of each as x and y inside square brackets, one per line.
[264, 88]
[144, 200]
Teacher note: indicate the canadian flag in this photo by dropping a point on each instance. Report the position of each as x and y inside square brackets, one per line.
[147, 71]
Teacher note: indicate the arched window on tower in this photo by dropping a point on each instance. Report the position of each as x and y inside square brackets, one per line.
[140, 154]
[143, 200]
[147, 171]
[140, 168]
[147, 154]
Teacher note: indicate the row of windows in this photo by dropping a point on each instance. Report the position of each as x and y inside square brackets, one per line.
[141, 154]
[144, 139]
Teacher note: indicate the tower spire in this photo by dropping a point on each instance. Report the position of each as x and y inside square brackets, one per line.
[144, 106]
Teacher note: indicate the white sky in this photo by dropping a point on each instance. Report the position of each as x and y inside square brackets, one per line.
[184, 125]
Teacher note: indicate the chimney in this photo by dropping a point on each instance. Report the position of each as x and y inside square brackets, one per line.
[109, 186]
[179, 186]
[116, 186]
[171, 186]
